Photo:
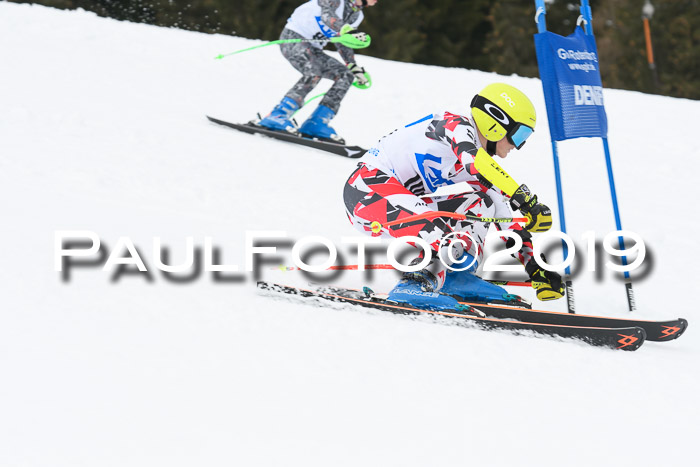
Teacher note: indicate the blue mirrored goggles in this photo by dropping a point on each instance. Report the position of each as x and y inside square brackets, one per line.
[519, 134]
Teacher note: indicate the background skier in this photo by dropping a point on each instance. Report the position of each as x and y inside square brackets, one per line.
[319, 19]
[396, 178]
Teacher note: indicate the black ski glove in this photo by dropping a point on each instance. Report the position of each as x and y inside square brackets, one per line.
[539, 215]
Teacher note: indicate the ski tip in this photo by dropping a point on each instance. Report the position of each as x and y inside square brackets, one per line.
[354, 152]
[631, 339]
[672, 331]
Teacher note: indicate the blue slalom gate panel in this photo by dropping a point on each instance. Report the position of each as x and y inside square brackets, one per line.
[572, 85]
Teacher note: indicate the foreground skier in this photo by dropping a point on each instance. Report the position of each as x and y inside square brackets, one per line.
[395, 178]
[319, 19]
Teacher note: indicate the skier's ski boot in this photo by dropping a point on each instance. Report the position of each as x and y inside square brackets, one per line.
[417, 290]
[279, 118]
[409, 291]
[468, 287]
[316, 126]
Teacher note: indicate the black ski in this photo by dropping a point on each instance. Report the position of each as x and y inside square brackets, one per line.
[657, 331]
[328, 146]
[623, 338]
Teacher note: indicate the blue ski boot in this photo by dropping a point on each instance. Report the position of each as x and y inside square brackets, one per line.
[279, 118]
[409, 291]
[316, 126]
[418, 289]
[467, 286]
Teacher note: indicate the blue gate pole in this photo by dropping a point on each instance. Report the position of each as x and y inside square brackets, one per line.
[571, 306]
[618, 223]
[588, 17]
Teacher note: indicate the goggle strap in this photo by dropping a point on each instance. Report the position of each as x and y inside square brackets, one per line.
[480, 102]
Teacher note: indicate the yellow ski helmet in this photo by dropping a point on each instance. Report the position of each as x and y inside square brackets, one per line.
[502, 111]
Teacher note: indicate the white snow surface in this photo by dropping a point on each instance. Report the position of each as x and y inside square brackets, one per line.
[102, 129]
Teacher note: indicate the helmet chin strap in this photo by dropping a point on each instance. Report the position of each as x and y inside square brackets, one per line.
[491, 147]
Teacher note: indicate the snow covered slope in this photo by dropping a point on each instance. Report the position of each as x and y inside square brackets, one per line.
[102, 128]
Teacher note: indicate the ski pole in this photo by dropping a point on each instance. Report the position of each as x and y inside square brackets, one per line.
[377, 226]
[347, 40]
[279, 41]
[311, 99]
[307, 101]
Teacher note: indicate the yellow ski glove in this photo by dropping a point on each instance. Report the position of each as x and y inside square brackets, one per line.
[538, 215]
[548, 284]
